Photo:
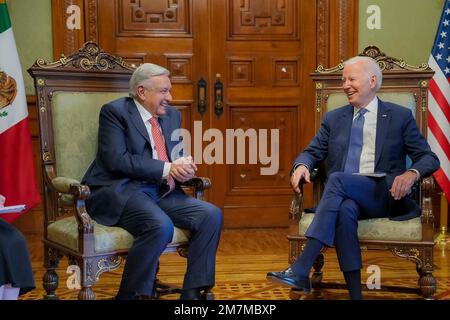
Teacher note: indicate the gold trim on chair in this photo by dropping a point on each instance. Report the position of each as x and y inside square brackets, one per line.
[88, 57]
[385, 62]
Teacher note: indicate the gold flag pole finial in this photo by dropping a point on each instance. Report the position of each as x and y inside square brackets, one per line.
[443, 237]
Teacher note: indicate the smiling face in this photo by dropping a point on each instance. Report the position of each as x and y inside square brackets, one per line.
[359, 83]
[154, 95]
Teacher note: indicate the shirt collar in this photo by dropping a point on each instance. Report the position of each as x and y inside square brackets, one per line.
[372, 107]
[145, 115]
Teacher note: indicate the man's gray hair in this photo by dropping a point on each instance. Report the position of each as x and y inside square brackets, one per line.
[143, 74]
[374, 68]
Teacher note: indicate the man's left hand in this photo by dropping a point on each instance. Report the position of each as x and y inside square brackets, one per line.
[402, 184]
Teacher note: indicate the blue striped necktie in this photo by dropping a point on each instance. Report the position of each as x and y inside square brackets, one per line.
[356, 143]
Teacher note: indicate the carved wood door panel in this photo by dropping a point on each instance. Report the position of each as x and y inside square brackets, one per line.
[261, 51]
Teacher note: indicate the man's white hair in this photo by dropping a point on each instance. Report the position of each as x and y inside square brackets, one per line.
[373, 68]
[143, 74]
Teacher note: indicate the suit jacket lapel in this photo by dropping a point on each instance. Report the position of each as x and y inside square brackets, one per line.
[383, 118]
[136, 119]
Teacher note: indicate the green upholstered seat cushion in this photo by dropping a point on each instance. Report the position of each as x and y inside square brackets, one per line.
[378, 229]
[65, 233]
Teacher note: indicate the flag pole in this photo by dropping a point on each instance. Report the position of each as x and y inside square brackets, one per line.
[443, 237]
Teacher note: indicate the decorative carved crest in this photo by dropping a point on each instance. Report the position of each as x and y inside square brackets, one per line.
[8, 89]
[388, 63]
[385, 62]
[90, 56]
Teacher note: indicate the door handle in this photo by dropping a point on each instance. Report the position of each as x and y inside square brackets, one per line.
[202, 96]
[218, 96]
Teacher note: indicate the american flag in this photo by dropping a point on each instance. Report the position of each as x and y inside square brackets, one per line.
[439, 99]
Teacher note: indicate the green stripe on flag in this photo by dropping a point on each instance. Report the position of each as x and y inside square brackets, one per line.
[5, 22]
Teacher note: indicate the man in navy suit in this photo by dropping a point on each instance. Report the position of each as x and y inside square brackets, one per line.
[366, 136]
[134, 182]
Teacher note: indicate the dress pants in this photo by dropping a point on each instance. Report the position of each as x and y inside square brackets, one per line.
[346, 199]
[152, 223]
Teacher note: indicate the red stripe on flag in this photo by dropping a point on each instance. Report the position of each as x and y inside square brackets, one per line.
[17, 176]
[443, 182]
[439, 135]
[440, 99]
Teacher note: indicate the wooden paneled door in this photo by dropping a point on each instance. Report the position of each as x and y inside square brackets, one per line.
[262, 51]
[255, 57]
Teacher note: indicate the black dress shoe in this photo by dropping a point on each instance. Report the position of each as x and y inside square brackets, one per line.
[124, 295]
[287, 277]
[190, 294]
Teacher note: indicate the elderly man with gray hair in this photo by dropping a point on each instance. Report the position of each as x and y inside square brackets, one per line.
[134, 182]
[365, 144]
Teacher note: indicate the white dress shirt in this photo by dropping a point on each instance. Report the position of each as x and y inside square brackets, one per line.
[146, 116]
[367, 160]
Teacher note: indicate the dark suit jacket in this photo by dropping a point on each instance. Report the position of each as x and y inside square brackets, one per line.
[397, 136]
[124, 163]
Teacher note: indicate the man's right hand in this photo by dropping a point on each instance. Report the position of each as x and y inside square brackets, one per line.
[183, 169]
[299, 173]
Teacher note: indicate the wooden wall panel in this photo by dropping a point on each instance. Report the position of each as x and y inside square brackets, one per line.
[247, 179]
[149, 18]
[66, 41]
[262, 19]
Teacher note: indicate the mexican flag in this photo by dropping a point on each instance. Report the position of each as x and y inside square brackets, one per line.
[17, 176]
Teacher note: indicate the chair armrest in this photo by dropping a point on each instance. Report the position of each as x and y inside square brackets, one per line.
[199, 185]
[427, 217]
[72, 192]
[296, 208]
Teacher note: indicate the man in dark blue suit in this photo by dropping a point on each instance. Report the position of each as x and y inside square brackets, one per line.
[134, 184]
[365, 137]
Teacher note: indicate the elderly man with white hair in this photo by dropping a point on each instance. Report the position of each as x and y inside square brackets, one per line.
[365, 144]
[134, 182]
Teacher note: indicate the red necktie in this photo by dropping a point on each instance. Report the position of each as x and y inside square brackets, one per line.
[161, 150]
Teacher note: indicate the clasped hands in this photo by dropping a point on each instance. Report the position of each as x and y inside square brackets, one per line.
[183, 169]
[400, 187]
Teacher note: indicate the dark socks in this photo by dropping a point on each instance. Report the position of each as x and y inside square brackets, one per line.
[353, 281]
[302, 266]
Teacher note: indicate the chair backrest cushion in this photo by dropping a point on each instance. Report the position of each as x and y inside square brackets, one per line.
[406, 99]
[75, 129]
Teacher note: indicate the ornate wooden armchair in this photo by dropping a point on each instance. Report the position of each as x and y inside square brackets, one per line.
[70, 93]
[412, 239]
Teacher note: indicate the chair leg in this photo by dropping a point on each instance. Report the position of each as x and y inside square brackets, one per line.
[427, 283]
[50, 278]
[87, 280]
[317, 275]
[86, 293]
